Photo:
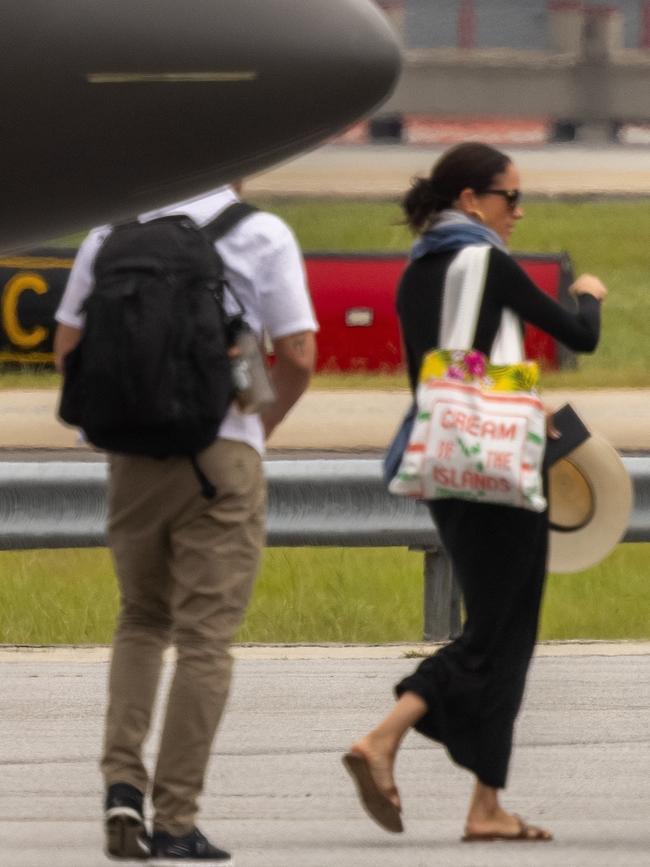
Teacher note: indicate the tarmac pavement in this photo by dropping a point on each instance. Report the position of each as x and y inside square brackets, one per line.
[347, 420]
[385, 170]
[277, 794]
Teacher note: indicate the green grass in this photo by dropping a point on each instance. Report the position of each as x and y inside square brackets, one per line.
[313, 595]
[610, 601]
[57, 597]
[585, 378]
[28, 376]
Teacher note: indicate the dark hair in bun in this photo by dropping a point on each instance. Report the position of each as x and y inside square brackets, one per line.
[472, 165]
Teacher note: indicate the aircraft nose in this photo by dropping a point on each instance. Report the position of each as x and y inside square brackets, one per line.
[293, 73]
[146, 103]
[259, 81]
[358, 56]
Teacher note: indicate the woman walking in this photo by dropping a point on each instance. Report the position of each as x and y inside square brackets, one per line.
[467, 696]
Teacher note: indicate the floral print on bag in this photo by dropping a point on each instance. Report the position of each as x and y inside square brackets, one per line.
[472, 366]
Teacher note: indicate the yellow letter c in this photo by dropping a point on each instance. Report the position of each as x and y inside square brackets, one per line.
[18, 284]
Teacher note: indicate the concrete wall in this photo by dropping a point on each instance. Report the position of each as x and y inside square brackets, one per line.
[448, 83]
[581, 78]
[499, 23]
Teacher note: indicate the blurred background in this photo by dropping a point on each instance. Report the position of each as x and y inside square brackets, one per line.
[558, 70]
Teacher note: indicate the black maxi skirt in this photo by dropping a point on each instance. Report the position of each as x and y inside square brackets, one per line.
[473, 686]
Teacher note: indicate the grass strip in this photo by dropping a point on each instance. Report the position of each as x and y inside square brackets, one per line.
[313, 595]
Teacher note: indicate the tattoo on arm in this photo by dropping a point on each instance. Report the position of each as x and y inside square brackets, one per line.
[299, 345]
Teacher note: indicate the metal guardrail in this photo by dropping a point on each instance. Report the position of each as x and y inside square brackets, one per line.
[335, 503]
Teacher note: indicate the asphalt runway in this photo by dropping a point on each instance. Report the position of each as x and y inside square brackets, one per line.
[385, 170]
[339, 420]
[277, 794]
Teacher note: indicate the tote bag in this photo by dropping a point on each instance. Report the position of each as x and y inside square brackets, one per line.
[479, 427]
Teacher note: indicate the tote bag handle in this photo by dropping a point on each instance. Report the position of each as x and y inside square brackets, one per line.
[463, 294]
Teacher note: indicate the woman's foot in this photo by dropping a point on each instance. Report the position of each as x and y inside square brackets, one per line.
[371, 760]
[501, 825]
[487, 820]
[379, 754]
[370, 763]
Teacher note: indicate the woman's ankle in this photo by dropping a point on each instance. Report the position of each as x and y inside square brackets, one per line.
[484, 805]
[378, 741]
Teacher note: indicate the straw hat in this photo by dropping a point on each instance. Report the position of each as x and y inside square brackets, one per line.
[590, 501]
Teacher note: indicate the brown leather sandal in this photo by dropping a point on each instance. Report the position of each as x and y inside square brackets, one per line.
[525, 833]
[375, 802]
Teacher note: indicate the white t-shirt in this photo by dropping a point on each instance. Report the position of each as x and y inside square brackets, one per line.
[263, 264]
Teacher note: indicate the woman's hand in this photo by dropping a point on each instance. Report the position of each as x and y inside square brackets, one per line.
[587, 284]
[552, 432]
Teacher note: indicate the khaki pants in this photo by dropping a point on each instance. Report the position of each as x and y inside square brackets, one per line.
[186, 567]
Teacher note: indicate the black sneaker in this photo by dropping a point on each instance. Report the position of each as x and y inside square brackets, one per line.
[126, 835]
[190, 848]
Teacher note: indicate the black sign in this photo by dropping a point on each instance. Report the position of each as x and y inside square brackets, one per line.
[31, 287]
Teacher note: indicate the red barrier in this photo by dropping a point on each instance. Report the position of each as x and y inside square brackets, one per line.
[354, 300]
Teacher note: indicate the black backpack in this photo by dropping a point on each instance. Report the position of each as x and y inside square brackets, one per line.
[151, 373]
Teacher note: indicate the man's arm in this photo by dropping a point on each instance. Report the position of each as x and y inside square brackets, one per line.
[69, 317]
[66, 337]
[295, 359]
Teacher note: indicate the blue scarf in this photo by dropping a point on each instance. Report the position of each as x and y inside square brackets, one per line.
[452, 231]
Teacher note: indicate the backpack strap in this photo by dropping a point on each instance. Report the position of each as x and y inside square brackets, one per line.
[221, 225]
[208, 490]
[215, 229]
[227, 220]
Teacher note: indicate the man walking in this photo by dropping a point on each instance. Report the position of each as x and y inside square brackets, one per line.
[186, 564]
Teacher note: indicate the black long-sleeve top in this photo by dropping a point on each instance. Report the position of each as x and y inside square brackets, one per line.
[419, 307]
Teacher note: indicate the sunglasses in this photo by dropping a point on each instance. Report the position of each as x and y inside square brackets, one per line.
[512, 197]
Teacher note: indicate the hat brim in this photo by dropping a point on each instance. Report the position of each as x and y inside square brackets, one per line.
[604, 477]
